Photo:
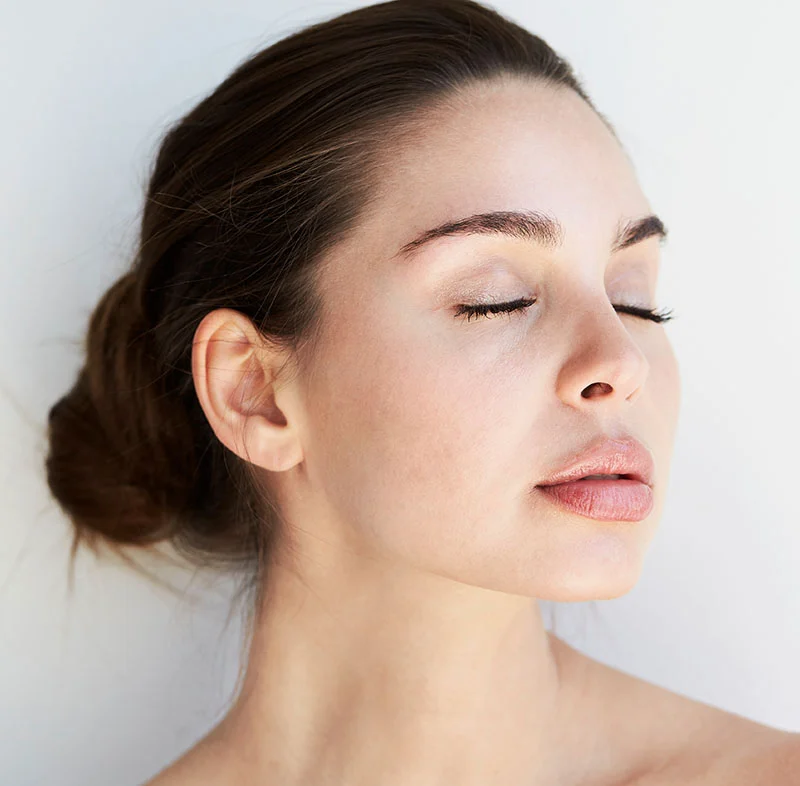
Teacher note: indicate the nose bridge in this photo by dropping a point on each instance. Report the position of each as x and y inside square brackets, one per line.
[604, 359]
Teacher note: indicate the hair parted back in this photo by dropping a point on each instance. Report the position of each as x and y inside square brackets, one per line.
[248, 192]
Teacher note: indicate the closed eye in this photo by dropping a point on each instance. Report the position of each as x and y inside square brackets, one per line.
[485, 309]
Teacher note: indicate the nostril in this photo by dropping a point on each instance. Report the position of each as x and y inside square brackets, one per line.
[606, 388]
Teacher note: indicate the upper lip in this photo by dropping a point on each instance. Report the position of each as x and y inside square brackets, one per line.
[605, 456]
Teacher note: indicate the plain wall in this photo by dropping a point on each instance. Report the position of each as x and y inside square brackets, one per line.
[113, 681]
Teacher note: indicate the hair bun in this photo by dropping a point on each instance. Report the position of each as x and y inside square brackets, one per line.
[115, 438]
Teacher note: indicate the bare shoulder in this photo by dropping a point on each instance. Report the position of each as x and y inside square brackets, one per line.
[772, 760]
[181, 772]
[777, 764]
[204, 764]
[664, 738]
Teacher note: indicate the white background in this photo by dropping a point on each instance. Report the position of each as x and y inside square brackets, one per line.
[113, 681]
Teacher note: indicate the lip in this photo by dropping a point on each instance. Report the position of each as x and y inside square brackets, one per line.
[606, 456]
[629, 498]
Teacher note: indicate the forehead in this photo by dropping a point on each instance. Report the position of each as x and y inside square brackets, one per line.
[508, 144]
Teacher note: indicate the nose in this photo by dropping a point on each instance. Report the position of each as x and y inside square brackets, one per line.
[605, 366]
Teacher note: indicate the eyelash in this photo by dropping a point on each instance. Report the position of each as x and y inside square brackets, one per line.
[483, 309]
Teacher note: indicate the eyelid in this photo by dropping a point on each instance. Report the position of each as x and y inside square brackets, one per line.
[489, 278]
[500, 279]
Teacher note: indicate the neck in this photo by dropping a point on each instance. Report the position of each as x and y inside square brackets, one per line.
[379, 674]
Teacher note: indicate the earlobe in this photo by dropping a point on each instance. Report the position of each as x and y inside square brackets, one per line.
[234, 378]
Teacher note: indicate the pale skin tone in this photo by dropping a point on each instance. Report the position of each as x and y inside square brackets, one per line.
[404, 645]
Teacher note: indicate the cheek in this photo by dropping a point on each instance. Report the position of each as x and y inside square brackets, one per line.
[422, 436]
[421, 412]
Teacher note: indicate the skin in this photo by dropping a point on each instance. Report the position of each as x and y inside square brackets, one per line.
[401, 640]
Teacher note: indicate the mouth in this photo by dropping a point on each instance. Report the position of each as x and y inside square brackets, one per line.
[603, 477]
[626, 476]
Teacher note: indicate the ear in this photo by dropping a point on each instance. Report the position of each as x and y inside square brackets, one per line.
[236, 379]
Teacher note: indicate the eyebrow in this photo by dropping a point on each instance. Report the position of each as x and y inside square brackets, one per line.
[532, 225]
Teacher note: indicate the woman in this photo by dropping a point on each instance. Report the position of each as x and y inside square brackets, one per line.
[391, 316]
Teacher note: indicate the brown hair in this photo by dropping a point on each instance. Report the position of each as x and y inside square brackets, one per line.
[248, 192]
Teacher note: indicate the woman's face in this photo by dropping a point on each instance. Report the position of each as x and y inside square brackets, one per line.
[426, 433]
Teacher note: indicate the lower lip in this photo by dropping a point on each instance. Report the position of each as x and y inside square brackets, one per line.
[606, 500]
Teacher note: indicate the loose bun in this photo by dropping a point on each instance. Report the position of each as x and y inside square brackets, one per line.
[120, 448]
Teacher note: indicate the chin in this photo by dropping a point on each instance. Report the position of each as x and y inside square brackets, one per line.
[573, 579]
[604, 579]
[590, 590]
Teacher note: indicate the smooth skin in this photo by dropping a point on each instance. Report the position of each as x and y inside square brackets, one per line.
[401, 641]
